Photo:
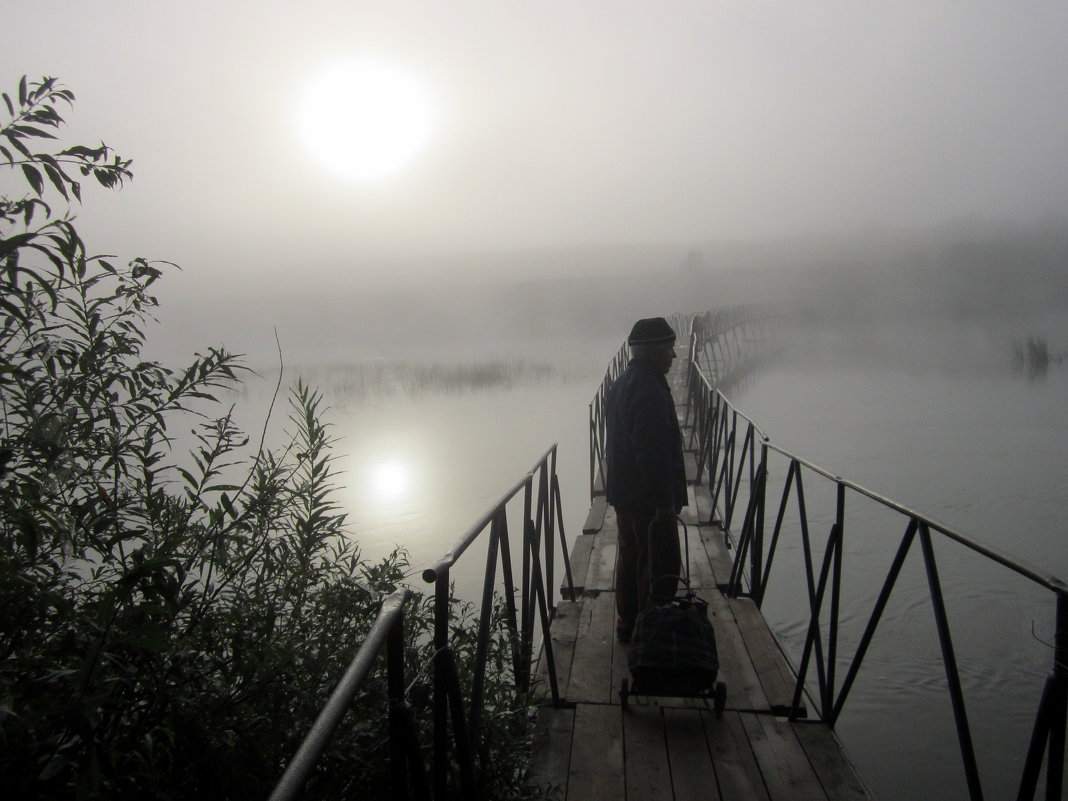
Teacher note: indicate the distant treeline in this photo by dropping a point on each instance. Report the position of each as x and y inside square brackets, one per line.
[1034, 353]
[966, 273]
[527, 302]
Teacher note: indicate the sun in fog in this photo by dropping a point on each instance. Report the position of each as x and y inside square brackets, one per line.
[364, 119]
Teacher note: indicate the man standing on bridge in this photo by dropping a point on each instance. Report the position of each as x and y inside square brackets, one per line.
[646, 480]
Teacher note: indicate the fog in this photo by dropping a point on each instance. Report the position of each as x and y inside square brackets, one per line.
[953, 295]
[893, 175]
[589, 163]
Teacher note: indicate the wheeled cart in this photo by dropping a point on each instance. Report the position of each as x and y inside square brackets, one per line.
[673, 648]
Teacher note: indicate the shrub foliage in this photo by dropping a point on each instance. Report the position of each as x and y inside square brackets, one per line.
[172, 622]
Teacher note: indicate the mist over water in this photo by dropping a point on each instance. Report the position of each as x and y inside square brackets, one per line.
[961, 291]
[898, 374]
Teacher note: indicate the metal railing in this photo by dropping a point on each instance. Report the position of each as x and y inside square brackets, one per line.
[542, 521]
[457, 710]
[597, 421]
[733, 459]
[732, 339]
[387, 632]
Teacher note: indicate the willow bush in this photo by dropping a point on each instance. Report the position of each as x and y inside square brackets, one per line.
[172, 622]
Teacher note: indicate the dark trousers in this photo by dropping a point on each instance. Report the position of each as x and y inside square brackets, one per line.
[635, 563]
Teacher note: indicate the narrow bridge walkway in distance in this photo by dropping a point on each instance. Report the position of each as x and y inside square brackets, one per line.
[658, 749]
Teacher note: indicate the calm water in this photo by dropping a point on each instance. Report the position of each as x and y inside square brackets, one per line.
[418, 469]
[983, 449]
[422, 470]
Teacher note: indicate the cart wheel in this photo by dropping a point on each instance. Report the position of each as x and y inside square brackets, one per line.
[720, 698]
[623, 693]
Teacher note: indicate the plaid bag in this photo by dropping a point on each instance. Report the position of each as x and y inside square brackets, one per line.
[673, 650]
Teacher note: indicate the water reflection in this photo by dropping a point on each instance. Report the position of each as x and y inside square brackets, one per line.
[422, 451]
[391, 480]
[417, 472]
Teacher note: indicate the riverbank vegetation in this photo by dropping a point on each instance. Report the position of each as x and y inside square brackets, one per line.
[172, 623]
[1033, 356]
[386, 378]
[1034, 352]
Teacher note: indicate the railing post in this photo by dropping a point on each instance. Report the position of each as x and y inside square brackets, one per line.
[398, 751]
[510, 611]
[485, 621]
[549, 525]
[464, 747]
[1051, 718]
[949, 659]
[441, 681]
[836, 597]
[728, 464]
[529, 552]
[1059, 678]
[699, 433]
[593, 451]
[558, 506]
[758, 488]
[717, 436]
[539, 598]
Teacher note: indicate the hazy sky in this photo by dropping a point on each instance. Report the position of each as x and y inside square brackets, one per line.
[558, 123]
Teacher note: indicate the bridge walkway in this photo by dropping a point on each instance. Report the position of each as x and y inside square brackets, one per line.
[677, 749]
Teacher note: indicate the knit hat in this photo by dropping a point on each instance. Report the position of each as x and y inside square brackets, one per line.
[651, 331]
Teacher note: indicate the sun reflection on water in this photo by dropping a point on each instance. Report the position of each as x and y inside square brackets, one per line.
[391, 479]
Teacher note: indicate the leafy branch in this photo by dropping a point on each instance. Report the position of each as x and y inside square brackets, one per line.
[34, 115]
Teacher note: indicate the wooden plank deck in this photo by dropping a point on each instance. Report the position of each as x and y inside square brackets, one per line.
[677, 749]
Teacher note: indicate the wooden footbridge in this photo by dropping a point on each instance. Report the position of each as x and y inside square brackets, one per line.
[775, 740]
[658, 749]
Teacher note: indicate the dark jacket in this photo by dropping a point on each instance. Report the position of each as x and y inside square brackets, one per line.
[643, 446]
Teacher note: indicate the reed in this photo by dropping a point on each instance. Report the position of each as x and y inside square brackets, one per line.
[361, 381]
